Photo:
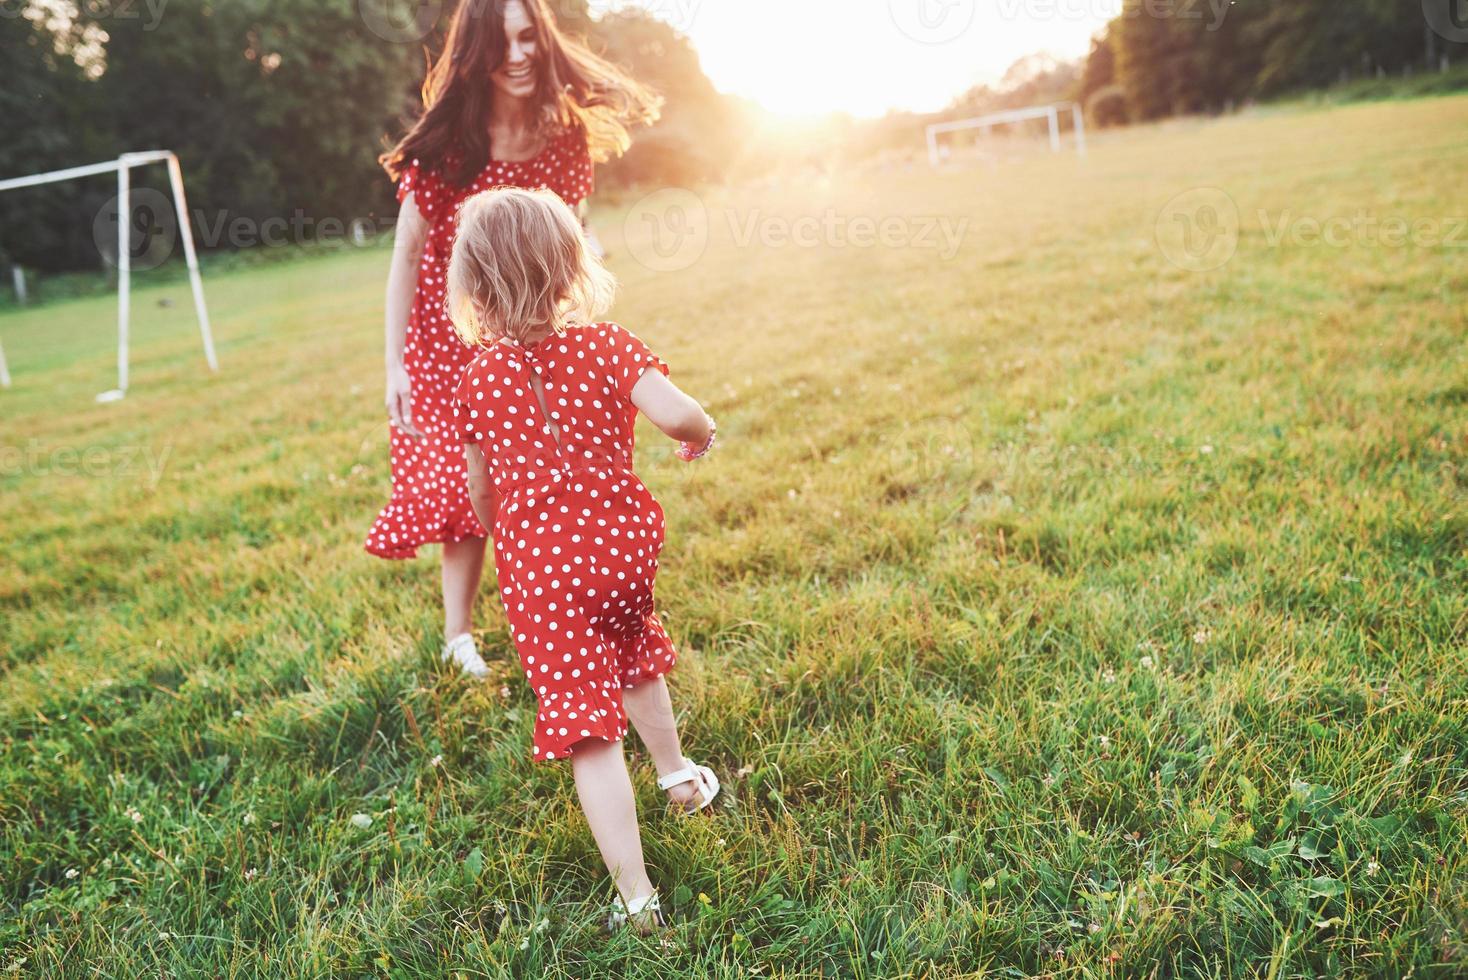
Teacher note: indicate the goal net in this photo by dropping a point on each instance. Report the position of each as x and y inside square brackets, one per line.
[123, 167]
[938, 151]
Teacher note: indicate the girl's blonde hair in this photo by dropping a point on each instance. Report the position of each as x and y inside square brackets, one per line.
[521, 264]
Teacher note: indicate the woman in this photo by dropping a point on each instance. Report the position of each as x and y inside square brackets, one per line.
[511, 101]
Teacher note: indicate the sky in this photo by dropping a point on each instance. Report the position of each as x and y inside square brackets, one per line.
[803, 57]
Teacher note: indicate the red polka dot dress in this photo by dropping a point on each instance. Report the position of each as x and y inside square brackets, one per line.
[430, 493]
[577, 534]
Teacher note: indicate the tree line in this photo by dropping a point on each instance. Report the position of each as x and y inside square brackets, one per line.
[1162, 58]
[276, 108]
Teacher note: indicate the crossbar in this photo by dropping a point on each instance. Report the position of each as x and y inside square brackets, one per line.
[122, 167]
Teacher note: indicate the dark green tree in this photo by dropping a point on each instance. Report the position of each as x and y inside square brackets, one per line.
[274, 106]
[1176, 58]
[43, 101]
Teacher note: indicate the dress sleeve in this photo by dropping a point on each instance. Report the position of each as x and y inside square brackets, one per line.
[630, 359]
[420, 183]
[470, 407]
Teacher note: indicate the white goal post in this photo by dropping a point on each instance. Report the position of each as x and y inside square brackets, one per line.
[123, 167]
[1051, 113]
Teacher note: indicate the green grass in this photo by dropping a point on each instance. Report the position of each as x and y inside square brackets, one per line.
[1047, 610]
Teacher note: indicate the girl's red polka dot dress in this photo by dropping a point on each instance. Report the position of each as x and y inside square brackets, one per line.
[577, 535]
[430, 493]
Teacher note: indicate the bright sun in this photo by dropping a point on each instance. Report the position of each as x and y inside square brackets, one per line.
[802, 57]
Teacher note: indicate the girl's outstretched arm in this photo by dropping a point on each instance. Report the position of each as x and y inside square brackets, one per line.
[677, 415]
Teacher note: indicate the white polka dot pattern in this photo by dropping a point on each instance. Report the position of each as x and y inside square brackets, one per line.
[577, 534]
[430, 496]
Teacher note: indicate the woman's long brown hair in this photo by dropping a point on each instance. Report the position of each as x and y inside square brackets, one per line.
[574, 89]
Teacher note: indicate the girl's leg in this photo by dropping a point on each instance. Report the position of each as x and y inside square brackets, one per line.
[650, 709]
[463, 563]
[606, 797]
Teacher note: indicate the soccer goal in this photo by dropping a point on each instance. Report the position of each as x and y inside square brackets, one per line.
[123, 167]
[1050, 113]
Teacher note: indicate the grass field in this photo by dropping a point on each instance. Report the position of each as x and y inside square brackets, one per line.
[1048, 607]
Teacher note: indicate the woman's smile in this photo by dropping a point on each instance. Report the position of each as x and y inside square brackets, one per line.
[515, 76]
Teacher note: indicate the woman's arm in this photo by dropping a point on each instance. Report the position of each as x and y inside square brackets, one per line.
[482, 494]
[402, 285]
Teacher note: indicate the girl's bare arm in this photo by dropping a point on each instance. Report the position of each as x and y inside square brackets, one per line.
[677, 415]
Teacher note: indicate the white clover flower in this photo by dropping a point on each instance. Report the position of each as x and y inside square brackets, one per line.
[249, 819]
[134, 815]
[252, 874]
[436, 761]
[1147, 663]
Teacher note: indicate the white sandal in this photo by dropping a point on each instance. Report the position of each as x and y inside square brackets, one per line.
[708, 784]
[462, 652]
[620, 913]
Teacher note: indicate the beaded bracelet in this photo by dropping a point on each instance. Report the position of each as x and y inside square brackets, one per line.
[688, 457]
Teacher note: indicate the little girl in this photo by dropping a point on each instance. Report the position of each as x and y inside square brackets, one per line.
[546, 412]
